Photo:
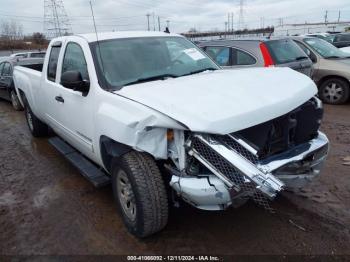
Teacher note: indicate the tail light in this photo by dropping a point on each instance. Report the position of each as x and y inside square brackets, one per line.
[266, 55]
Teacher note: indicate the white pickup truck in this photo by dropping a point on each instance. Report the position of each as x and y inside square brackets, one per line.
[150, 113]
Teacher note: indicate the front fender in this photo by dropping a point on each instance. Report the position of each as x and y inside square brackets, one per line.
[135, 125]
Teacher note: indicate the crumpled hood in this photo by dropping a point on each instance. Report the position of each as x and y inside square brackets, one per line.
[225, 101]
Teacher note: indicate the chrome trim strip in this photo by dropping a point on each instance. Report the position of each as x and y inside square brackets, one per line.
[244, 144]
[267, 183]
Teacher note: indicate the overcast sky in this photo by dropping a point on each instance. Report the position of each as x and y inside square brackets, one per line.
[182, 14]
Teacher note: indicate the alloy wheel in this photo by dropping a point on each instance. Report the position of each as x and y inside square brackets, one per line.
[333, 92]
[126, 195]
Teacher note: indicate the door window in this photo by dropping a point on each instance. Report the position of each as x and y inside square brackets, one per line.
[74, 60]
[6, 70]
[53, 60]
[219, 54]
[1, 68]
[242, 58]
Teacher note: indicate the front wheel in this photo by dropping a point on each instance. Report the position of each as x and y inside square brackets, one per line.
[36, 126]
[334, 91]
[15, 101]
[139, 193]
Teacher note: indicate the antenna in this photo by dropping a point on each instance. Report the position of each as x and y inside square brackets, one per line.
[98, 42]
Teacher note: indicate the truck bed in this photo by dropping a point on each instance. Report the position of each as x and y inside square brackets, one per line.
[28, 80]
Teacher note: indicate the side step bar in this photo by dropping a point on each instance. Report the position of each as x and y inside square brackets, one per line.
[90, 171]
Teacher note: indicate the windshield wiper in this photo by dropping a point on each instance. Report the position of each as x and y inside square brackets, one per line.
[151, 78]
[200, 71]
[333, 56]
[337, 57]
[301, 58]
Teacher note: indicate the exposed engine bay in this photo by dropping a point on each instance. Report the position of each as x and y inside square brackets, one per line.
[256, 163]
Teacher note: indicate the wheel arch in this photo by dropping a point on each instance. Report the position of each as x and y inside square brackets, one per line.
[110, 149]
[21, 97]
[325, 78]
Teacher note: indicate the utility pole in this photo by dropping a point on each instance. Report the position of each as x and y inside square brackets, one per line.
[228, 22]
[326, 17]
[154, 22]
[232, 22]
[148, 15]
[339, 17]
[158, 23]
[241, 15]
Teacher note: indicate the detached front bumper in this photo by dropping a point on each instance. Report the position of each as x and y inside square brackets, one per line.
[238, 175]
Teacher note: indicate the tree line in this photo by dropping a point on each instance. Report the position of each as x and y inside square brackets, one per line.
[12, 37]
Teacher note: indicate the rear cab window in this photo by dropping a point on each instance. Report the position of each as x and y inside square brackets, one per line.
[53, 60]
[285, 51]
[37, 55]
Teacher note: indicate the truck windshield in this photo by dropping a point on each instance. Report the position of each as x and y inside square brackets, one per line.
[325, 49]
[121, 62]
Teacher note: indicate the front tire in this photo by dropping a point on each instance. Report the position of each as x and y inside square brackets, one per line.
[15, 101]
[139, 193]
[334, 91]
[36, 126]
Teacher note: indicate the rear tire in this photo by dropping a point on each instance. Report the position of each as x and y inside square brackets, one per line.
[15, 101]
[139, 193]
[334, 91]
[36, 126]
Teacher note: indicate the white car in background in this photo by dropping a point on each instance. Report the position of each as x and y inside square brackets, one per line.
[345, 49]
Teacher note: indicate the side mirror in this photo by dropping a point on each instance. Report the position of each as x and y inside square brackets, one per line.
[312, 57]
[74, 80]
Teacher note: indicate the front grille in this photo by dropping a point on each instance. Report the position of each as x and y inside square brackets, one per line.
[247, 187]
[220, 164]
[234, 145]
[282, 133]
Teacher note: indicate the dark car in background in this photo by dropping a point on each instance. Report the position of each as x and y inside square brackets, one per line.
[341, 40]
[258, 53]
[331, 69]
[7, 88]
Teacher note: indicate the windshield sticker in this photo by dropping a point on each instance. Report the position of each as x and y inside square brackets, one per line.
[194, 54]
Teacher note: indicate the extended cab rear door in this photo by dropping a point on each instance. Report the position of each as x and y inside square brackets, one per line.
[73, 111]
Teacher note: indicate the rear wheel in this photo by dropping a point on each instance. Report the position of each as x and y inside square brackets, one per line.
[334, 91]
[36, 126]
[139, 193]
[15, 101]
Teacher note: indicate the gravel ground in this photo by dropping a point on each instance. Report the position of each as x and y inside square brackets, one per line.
[47, 207]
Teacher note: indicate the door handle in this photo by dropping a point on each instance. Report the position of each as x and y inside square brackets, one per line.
[59, 99]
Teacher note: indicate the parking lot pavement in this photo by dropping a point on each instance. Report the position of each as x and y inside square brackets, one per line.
[47, 207]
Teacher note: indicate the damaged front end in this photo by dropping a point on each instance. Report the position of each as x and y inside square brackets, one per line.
[256, 163]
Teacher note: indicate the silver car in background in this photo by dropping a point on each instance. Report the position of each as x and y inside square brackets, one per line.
[331, 69]
[258, 53]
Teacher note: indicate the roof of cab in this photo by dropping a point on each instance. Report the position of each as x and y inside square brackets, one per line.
[123, 34]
